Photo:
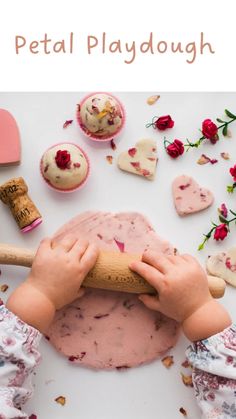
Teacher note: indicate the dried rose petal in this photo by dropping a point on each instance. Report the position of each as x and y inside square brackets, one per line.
[109, 159]
[136, 165]
[113, 144]
[152, 99]
[183, 411]
[68, 122]
[120, 245]
[77, 165]
[183, 187]
[205, 159]
[4, 288]
[61, 400]
[186, 364]
[151, 158]
[187, 380]
[132, 151]
[72, 358]
[168, 361]
[99, 236]
[229, 265]
[1, 302]
[33, 416]
[225, 156]
[145, 172]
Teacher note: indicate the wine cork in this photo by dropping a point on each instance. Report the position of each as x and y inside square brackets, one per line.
[14, 194]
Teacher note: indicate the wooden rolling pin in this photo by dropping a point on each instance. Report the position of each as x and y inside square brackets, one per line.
[111, 271]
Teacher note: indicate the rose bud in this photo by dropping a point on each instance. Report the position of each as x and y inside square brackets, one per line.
[210, 130]
[232, 171]
[164, 122]
[221, 232]
[175, 149]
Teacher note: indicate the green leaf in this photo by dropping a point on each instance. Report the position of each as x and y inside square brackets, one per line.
[223, 219]
[230, 114]
[220, 120]
[225, 130]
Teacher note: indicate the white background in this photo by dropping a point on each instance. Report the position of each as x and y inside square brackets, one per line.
[181, 20]
[149, 391]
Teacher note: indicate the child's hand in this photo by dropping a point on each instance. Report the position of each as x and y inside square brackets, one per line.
[54, 281]
[59, 269]
[183, 293]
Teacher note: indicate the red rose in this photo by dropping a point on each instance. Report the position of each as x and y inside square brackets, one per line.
[175, 149]
[221, 232]
[232, 171]
[210, 130]
[164, 122]
[62, 159]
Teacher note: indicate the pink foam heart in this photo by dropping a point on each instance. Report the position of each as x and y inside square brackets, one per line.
[189, 197]
[10, 148]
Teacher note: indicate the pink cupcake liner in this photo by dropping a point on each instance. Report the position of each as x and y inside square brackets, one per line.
[72, 189]
[93, 136]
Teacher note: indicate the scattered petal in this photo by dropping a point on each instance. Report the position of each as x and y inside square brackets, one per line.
[113, 144]
[145, 172]
[132, 151]
[183, 411]
[205, 159]
[68, 122]
[186, 364]
[225, 156]
[152, 99]
[109, 159]
[168, 361]
[187, 380]
[61, 400]
[4, 288]
[136, 165]
[120, 245]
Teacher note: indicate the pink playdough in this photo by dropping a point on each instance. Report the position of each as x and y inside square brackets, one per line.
[189, 197]
[106, 329]
[10, 149]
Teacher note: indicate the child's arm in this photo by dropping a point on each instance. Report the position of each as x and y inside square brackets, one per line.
[183, 295]
[54, 281]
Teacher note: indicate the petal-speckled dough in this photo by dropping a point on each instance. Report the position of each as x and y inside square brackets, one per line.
[189, 197]
[106, 329]
[140, 160]
[223, 265]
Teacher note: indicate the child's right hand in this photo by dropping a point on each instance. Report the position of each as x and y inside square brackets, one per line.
[54, 281]
[183, 293]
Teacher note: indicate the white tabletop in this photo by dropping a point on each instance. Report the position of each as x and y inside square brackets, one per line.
[149, 391]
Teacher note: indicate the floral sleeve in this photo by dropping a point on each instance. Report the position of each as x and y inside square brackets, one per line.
[214, 374]
[18, 358]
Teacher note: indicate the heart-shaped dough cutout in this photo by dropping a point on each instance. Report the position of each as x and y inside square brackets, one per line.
[189, 197]
[140, 160]
[223, 265]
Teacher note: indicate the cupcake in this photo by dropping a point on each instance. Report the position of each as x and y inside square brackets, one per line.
[101, 116]
[65, 167]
